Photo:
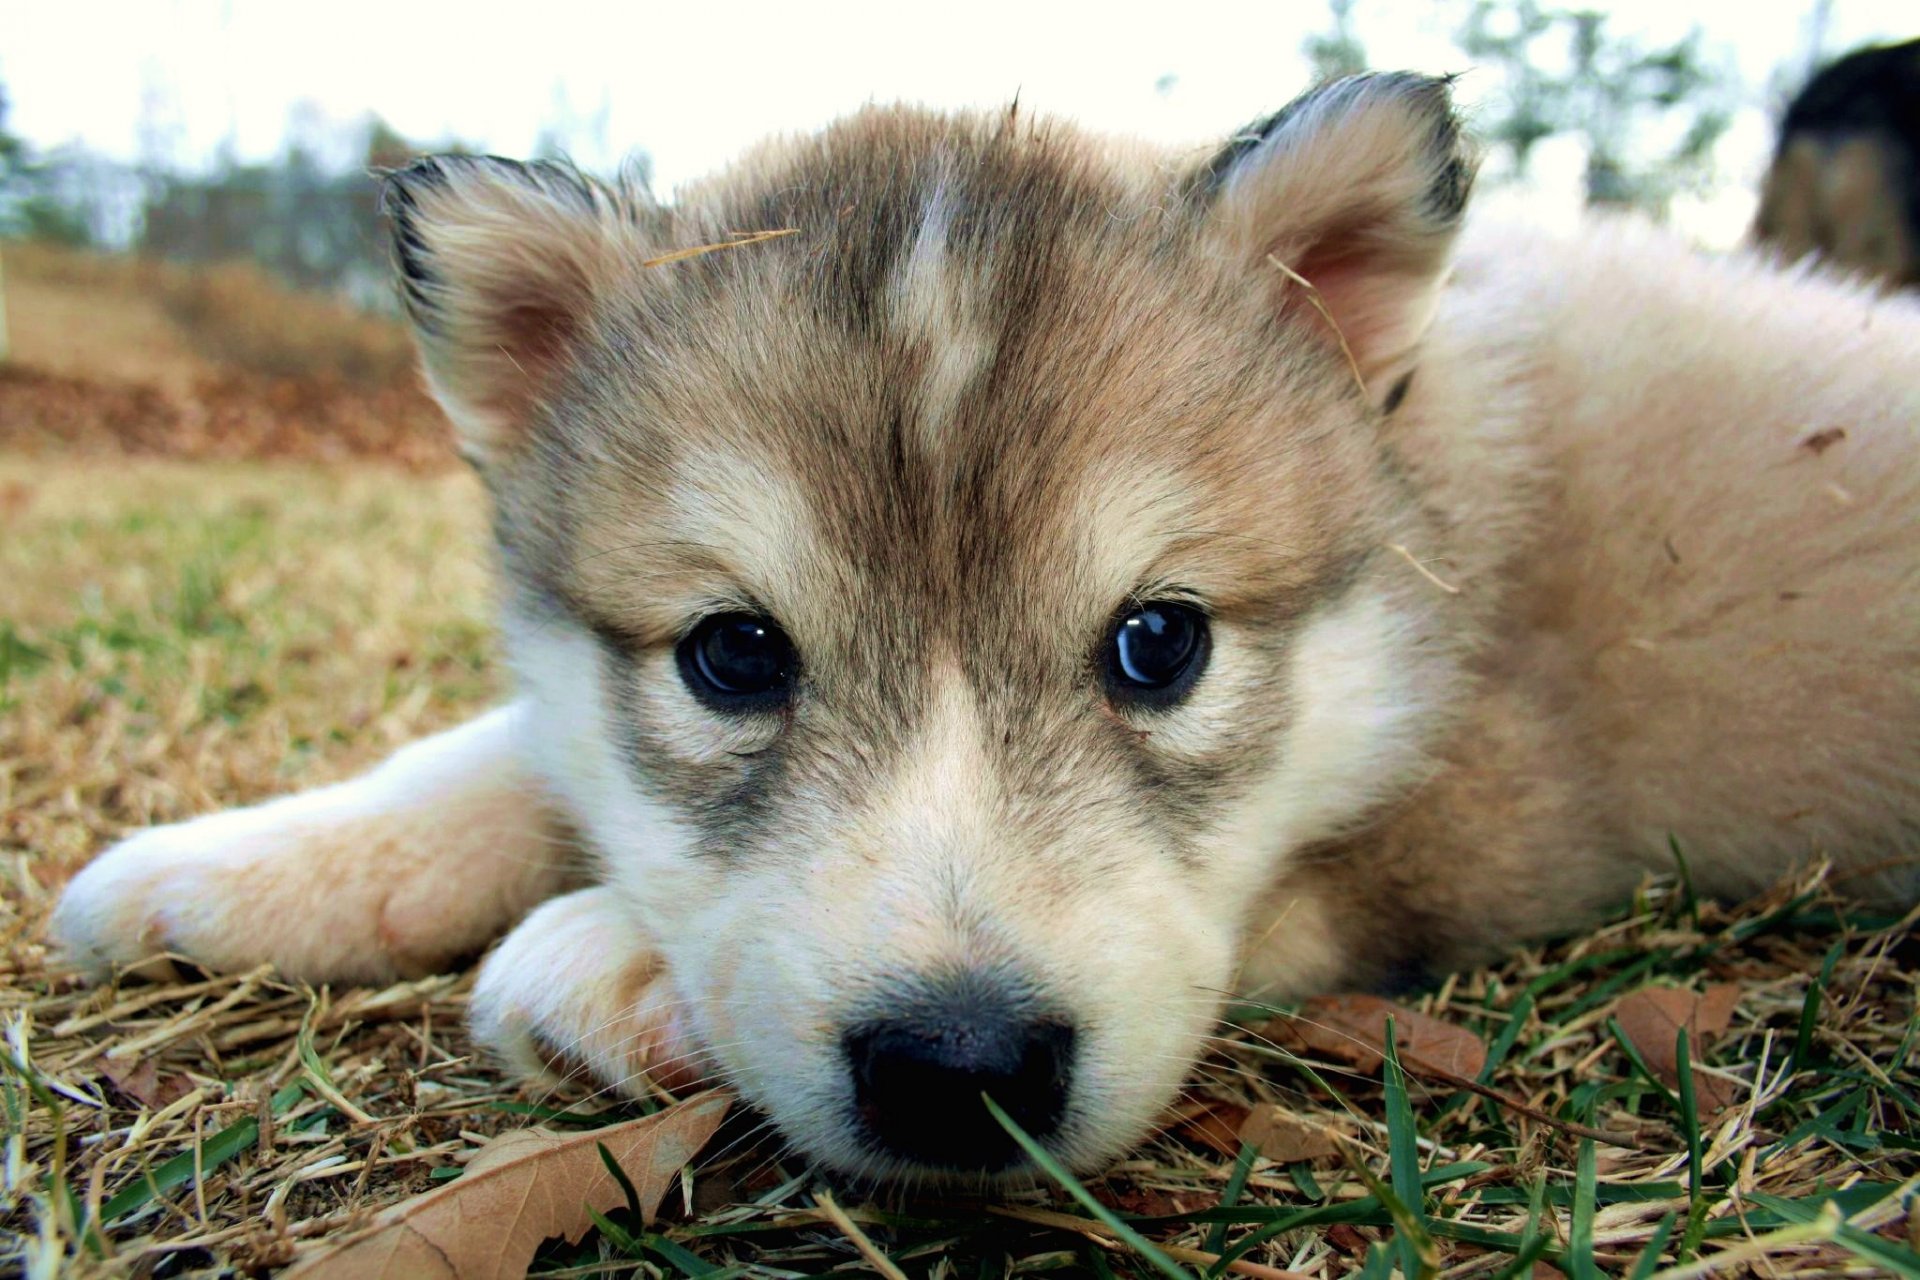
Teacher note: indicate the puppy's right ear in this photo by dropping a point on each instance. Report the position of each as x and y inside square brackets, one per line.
[1347, 203]
[499, 266]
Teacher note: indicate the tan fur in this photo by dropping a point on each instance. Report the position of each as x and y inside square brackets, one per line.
[1629, 559]
[398, 873]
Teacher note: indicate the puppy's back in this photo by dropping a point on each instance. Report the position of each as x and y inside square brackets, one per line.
[1730, 555]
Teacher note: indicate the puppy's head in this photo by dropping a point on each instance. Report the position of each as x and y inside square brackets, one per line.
[949, 556]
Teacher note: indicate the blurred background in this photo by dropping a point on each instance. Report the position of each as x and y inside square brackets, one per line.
[187, 208]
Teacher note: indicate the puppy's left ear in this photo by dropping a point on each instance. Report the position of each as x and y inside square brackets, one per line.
[1358, 188]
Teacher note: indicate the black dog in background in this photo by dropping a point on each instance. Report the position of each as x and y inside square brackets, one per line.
[1845, 179]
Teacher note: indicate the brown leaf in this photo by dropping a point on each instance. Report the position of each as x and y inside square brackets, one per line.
[1348, 1239]
[145, 1085]
[1286, 1138]
[522, 1188]
[1652, 1017]
[1353, 1029]
[1212, 1124]
[1146, 1202]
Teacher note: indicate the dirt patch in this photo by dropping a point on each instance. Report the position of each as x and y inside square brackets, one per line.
[223, 415]
[135, 356]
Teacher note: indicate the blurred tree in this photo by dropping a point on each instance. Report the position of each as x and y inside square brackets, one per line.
[1648, 117]
[42, 197]
[310, 215]
[1336, 52]
[571, 134]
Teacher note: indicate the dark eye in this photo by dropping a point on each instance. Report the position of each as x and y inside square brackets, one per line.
[1156, 653]
[738, 662]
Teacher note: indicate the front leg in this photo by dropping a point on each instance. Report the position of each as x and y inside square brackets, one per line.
[399, 872]
[579, 991]
[1503, 844]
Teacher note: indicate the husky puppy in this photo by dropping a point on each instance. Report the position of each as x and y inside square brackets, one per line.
[980, 593]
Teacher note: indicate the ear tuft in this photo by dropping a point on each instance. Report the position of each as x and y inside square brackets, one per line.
[499, 263]
[1357, 188]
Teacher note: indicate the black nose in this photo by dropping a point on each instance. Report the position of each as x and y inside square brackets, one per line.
[918, 1076]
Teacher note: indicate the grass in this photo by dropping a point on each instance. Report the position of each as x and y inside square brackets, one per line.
[180, 636]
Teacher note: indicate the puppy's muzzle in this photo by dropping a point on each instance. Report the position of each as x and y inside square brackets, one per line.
[921, 1064]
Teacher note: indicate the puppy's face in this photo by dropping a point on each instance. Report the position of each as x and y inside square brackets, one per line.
[946, 615]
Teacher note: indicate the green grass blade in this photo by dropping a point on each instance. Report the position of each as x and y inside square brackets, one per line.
[1302, 1174]
[1640, 1066]
[1503, 1043]
[1533, 1242]
[214, 1152]
[1379, 1264]
[1649, 1260]
[1522, 1262]
[620, 1177]
[1580, 1263]
[689, 1262]
[616, 1234]
[1866, 1246]
[551, 1115]
[1689, 900]
[1108, 1218]
[1236, 1186]
[1403, 1153]
[1603, 991]
[1810, 1008]
[1696, 1147]
[1410, 1226]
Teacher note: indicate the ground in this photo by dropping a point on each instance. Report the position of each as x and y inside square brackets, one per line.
[239, 559]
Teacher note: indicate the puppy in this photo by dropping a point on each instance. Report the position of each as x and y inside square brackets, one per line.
[980, 593]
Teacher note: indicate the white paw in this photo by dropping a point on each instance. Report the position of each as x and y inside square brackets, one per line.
[129, 903]
[397, 873]
[577, 991]
[229, 891]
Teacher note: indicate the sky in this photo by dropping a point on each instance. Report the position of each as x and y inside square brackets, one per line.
[185, 78]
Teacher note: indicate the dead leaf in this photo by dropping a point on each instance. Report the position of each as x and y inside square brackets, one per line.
[1353, 1029]
[522, 1188]
[1215, 1125]
[1651, 1019]
[1286, 1138]
[1146, 1202]
[1349, 1239]
[145, 1085]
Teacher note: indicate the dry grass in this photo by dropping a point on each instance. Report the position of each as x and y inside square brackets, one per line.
[177, 637]
[167, 319]
[239, 317]
[193, 634]
[117, 355]
[83, 314]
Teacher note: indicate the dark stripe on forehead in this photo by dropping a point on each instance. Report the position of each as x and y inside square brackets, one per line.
[859, 195]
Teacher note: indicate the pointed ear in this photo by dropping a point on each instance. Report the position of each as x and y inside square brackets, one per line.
[499, 265]
[1357, 189]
